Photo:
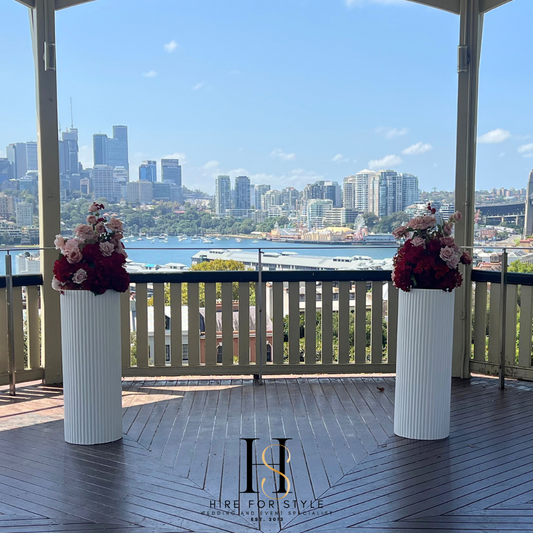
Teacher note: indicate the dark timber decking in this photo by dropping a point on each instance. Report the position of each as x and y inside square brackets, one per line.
[181, 455]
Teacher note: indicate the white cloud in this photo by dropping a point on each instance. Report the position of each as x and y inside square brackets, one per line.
[150, 74]
[171, 46]
[176, 155]
[339, 158]
[388, 161]
[211, 165]
[526, 150]
[282, 155]
[390, 133]
[495, 136]
[198, 86]
[417, 149]
[85, 156]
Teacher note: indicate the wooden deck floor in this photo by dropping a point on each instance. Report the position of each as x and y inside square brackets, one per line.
[182, 465]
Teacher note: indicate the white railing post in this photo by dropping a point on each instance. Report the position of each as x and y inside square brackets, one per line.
[503, 318]
[258, 378]
[10, 326]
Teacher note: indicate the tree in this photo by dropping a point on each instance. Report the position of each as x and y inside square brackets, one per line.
[220, 265]
[522, 268]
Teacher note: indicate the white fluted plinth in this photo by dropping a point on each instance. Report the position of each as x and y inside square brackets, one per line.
[424, 364]
[92, 381]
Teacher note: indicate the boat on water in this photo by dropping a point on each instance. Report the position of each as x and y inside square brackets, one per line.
[238, 240]
[255, 241]
[207, 241]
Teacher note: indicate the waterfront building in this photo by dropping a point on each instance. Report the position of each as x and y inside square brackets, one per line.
[103, 183]
[259, 192]
[242, 193]
[410, 190]
[316, 211]
[148, 171]
[340, 216]
[24, 214]
[240, 213]
[222, 195]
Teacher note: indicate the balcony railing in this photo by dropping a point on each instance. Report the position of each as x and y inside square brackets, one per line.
[218, 323]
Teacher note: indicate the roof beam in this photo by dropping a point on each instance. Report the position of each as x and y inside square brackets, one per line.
[488, 5]
[27, 3]
[62, 4]
[452, 6]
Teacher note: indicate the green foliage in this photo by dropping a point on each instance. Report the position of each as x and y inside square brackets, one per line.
[523, 268]
[391, 222]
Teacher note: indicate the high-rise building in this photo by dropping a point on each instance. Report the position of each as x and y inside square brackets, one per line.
[117, 148]
[24, 214]
[32, 162]
[103, 183]
[161, 190]
[5, 169]
[100, 156]
[222, 195]
[271, 198]
[410, 190]
[16, 154]
[148, 171]
[259, 192]
[68, 152]
[171, 172]
[316, 211]
[332, 191]
[242, 192]
[290, 197]
[85, 186]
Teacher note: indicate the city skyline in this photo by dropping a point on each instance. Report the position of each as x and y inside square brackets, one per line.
[264, 110]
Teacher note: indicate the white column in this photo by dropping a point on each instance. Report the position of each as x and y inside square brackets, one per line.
[42, 22]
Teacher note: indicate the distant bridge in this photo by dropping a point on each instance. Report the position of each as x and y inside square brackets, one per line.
[502, 210]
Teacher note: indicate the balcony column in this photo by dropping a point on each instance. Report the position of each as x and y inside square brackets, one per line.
[42, 23]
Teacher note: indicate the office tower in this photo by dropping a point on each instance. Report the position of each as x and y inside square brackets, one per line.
[259, 192]
[222, 195]
[117, 148]
[146, 193]
[242, 192]
[31, 156]
[528, 219]
[148, 171]
[120, 173]
[331, 190]
[410, 191]
[68, 152]
[16, 154]
[100, 156]
[103, 183]
[394, 193]
[24, 214]
[316, 211]
[5, 169]
[171, 171]
[162, 190]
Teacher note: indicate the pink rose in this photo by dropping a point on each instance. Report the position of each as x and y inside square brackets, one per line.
[417, 241]
[93, 208]
[59, 242]
[422, 223]
[56, 284]
[70, 244]
[447, 229]
[121, 249]
[448, 241]
[91, 219]
[446, 253]
[453, 262]
[107, 248]
[79, 276]
[399, 232]
[457, 215]
[84, 232]
[114, 225]
[100, 228]
[74, 256]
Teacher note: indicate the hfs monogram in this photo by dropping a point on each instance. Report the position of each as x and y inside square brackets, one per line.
[284, 483]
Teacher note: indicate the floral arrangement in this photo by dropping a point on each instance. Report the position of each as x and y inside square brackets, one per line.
[93, 260]
[429, 257]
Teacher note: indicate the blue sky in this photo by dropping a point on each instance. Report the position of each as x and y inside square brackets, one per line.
[285, 91]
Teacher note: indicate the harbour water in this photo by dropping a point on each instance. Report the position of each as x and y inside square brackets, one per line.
[159, 252]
